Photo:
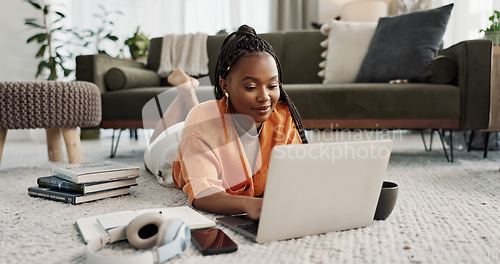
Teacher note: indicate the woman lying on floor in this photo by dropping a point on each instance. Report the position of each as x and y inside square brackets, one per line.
[222, 158]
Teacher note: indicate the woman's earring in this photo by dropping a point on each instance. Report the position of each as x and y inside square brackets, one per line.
[227, 101]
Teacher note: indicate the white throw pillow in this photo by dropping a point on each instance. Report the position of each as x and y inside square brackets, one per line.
[348, 44]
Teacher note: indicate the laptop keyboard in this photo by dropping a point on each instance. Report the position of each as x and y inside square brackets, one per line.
[251, 228]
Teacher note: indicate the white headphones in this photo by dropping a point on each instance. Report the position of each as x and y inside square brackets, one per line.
[169, 238]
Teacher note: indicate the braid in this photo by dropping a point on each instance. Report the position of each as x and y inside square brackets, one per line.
[243, 42]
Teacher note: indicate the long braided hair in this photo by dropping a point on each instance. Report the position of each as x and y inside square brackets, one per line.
[243, 42]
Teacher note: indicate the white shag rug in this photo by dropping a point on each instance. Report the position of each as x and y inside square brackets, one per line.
[445, 213]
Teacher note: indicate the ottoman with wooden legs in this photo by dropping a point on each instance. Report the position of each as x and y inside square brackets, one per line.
[59, 107]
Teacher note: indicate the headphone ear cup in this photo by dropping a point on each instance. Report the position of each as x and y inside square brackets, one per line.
[142, 232]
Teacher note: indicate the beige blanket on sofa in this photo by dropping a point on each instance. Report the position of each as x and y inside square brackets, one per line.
[188, 52]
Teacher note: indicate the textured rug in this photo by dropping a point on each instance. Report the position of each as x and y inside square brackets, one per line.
[445, 213]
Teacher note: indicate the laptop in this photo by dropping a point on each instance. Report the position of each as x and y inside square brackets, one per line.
[317, 188]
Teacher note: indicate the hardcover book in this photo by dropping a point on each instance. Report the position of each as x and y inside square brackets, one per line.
[74, 198]
[59, 184]
[95, 172]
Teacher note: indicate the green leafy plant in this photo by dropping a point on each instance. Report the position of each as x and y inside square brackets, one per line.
[104, 32]
[495, 23]
[52, 51]
[138, 44]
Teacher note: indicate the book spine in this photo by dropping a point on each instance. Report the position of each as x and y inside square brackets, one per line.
[60, 197]
[60, 185]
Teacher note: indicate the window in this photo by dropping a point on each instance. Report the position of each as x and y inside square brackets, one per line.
[160, 17]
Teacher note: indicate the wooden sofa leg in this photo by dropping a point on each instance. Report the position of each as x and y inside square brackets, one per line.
[73, 144]
[3, 135]
[54, 146]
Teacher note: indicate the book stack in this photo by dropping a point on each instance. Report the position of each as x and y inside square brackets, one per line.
[85, 182]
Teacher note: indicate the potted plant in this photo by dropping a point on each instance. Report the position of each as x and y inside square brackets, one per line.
[138, 44]
[493, 31]
[104, 31]
[53, 51]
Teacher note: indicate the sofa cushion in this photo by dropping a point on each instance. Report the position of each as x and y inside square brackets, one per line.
[330, 101]
[403, 46]
[348, 43]
[128, 104]
[375, 100]
[214, 44]
[125, 77]
[443, 70]
[300, 57]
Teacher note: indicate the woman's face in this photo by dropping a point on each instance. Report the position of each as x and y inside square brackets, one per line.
[253, 86]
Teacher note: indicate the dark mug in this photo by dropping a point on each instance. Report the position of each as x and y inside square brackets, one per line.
[386, 200]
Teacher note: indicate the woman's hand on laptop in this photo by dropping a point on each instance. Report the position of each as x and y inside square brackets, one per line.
[224, 203]
[254, 206]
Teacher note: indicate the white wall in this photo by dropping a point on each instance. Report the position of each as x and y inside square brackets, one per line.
[160, 17]
[18, 61]
[467, 17]
[328, 10]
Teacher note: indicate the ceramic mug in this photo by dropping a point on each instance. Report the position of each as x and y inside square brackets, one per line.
[386, 200]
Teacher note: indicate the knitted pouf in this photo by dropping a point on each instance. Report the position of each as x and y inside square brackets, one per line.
[56, 106]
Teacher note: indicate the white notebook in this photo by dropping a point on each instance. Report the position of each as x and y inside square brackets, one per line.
[93, 227]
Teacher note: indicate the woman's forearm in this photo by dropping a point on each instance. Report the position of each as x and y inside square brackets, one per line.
[224, 203]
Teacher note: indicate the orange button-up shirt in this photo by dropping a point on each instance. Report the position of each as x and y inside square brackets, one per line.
[211, 154]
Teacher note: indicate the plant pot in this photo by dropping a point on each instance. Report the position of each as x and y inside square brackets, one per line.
[494, 36]
[142, 59]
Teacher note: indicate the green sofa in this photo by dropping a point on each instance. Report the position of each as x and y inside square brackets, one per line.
[463, 103]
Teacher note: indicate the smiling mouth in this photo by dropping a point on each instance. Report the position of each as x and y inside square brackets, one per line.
[263, 109]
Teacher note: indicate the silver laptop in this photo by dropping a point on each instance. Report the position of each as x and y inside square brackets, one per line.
[317, 188]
